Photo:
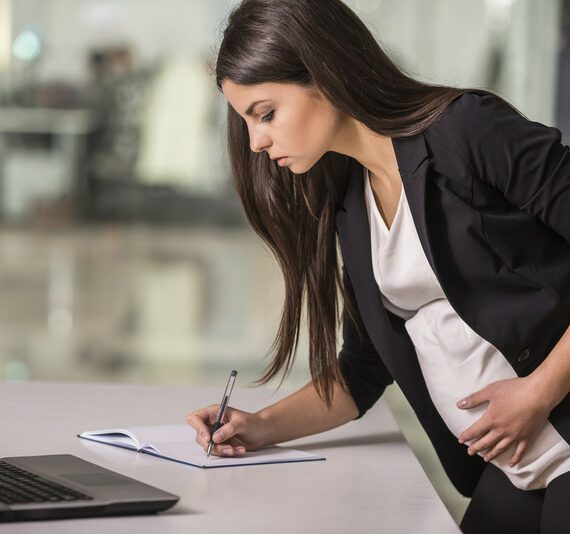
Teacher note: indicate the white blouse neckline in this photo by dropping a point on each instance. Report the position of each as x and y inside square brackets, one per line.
[375, 209]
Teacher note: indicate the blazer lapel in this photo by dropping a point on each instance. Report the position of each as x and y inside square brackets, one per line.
[354, 237]
[414, 163]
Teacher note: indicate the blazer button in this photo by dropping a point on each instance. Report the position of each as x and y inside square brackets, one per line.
[523, 355]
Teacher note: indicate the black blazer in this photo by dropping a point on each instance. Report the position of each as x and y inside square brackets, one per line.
[489, 193]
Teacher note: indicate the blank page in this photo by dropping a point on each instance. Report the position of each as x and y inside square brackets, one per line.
[178, 442]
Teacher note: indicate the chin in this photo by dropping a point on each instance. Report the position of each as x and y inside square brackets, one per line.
[298, 169]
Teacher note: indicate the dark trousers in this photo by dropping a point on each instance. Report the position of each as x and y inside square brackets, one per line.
[499, 507]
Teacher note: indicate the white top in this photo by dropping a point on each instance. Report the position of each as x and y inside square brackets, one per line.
[454, 359]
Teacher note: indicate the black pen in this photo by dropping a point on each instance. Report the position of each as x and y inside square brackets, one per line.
[223, 406]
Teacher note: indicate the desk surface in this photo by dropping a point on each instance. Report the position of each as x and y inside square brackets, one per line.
[370, 481]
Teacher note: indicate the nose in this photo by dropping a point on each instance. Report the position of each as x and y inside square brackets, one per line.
[258, 142]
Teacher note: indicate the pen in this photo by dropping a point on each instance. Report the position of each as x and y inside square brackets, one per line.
[223, 406]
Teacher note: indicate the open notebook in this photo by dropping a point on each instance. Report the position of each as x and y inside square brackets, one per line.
[177, 443]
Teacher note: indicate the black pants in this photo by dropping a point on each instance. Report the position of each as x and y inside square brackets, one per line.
[498, 506]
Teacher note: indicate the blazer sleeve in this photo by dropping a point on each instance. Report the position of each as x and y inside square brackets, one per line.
[523, 159]
[360, 365]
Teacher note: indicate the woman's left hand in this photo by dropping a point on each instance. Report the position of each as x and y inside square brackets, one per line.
[516, 412]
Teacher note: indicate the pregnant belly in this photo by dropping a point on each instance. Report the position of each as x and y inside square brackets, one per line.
[455, 361]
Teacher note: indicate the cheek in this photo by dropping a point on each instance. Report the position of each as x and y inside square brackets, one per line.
[310, 135]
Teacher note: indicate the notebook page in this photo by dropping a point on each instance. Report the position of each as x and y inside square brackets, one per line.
[193, 454]
[178, 442]
[152, 435]
[113, 436]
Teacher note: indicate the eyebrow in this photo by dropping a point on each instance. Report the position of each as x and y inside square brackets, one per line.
[249, 110]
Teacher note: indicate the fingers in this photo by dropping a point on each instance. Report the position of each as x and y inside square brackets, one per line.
[200, 420]
[234, 425]
[228, 451]
[473, 400]
[521, 447]
[492, 445]
[499, 448]
[475, 431]
[227, 448]
[483, 443]
[225, 444]
[225, 432]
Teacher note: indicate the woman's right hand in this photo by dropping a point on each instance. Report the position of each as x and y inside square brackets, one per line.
[241, 431]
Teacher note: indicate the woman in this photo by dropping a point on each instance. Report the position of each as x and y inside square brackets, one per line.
[428, 188]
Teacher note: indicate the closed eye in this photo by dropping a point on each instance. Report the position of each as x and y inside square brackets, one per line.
[268, 117]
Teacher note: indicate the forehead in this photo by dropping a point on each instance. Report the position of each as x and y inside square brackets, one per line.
[234, 90]
[240, 96]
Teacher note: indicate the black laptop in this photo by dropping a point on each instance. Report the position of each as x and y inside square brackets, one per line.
[60, 486]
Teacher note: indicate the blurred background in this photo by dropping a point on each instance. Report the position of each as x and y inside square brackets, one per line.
[124, 254]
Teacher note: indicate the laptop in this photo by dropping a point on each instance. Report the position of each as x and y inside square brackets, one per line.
[57, 486]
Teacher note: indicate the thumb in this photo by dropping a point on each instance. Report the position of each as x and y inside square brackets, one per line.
[473, 400]
[229, 429]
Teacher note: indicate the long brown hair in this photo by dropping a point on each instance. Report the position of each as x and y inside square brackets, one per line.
[322, 43]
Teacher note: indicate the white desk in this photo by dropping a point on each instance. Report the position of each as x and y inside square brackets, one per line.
[369, 482]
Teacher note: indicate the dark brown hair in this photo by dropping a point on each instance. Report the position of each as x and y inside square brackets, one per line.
[322, 43]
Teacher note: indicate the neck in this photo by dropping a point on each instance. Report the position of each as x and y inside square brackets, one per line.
[372, 150]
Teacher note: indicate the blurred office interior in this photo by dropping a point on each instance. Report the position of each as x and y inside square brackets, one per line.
[124, 253]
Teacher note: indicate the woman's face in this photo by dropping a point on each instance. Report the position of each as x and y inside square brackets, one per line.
[291, 121]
